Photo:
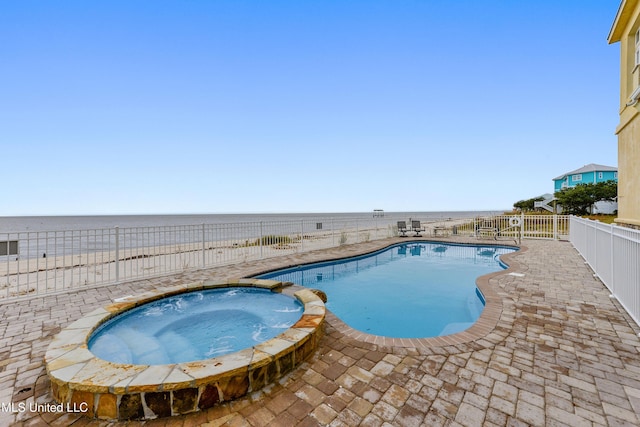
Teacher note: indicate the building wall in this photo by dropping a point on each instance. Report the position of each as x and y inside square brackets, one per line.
[628, 176]
[557, 185]
[628, 131]
[580, 178]
[607, 176]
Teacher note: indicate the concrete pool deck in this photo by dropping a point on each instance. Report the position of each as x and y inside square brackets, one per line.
[562, 353]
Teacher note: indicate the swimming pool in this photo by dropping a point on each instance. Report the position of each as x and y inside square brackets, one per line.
[410, 290]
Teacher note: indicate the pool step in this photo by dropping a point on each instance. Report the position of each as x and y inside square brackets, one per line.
[112, 348]
[142, 345]
[475, 306]
[178, 348]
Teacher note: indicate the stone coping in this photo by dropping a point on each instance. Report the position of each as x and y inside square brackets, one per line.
[115, 391]
[486, 323]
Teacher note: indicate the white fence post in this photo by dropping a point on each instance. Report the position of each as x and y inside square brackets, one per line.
[376, 236]
[612, 250]
[117, 254]
[333, 234]
[204, 261]
[260, 240]
[594, 248]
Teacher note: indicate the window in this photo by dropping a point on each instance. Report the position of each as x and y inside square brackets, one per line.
[9, 247]
[615, 175]
[600, 175]
[577, 177]
[635, 69]
[637, 50]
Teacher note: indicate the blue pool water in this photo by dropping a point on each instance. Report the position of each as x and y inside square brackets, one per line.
[195, 326]
[411, 290]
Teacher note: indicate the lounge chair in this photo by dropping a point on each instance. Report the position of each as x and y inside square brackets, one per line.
[415, 227]
[402, 228]
[487, 228]
[440, 231]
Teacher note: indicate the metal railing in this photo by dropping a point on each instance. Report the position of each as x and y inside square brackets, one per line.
[512, 227]
[40, 262]
[613, 253]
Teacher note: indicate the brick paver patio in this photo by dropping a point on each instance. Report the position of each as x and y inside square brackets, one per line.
[563, 353]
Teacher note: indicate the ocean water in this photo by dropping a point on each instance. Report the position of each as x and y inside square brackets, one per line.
[14, 224]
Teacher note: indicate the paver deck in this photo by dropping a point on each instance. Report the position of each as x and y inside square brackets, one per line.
[562, 353]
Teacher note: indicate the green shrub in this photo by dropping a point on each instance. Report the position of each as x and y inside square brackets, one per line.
[343, 238]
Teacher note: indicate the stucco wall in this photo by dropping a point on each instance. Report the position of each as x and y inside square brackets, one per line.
[628, 176]
[624, 27]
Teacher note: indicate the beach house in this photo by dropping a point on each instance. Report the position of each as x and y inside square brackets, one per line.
[626, 30]
[588, 174]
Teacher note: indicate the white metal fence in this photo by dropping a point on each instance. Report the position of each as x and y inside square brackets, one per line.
[613, 252]
[514, 227]
[40, 262]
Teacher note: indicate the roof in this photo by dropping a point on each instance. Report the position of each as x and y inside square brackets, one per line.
[624, 14]
[591, 167]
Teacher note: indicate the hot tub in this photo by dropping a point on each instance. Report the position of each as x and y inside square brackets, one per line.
[125, 391]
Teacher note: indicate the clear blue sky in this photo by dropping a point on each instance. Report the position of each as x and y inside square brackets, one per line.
[125, 107]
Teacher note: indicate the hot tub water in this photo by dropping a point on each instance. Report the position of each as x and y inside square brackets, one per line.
[195, 326]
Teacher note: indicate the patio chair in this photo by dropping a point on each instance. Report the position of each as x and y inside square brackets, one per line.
[440, 231]
[402, 228]
[415, 227]
[487, 228]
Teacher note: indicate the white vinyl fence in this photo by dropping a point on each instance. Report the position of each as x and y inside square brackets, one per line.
[40, 262]
[613, 252]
